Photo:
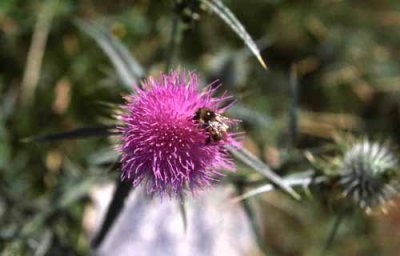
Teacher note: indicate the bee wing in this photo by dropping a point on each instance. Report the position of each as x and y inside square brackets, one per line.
[223, 121]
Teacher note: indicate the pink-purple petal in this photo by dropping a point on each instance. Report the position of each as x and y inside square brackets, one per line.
[161, 145]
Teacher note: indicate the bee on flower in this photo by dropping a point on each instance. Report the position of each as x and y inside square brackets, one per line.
[174, 135]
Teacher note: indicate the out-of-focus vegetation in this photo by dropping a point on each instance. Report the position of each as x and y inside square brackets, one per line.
[54, 77]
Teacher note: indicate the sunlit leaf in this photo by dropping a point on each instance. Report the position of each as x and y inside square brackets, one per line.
[230, 19]
[304, 180]
[252, 161]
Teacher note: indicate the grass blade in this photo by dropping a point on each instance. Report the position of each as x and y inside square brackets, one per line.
[36, 52]
[128, 69]
[230, 19]
[293, 107]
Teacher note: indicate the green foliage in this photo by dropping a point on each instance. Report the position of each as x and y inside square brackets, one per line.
[347, 59]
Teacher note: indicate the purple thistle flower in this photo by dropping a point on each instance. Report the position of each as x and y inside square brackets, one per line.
[163, 145]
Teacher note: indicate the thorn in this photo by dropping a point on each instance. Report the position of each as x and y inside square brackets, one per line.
[293, 193]
[262, 63]
[237, 199]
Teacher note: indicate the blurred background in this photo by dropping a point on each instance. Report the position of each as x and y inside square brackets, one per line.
[54, 77]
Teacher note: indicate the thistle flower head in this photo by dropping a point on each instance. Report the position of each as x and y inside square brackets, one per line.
[162, 145]
[368, 174]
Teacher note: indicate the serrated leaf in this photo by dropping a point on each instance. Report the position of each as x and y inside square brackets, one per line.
[84, 132]
[304, 179]
[252, 161]
[253, 192]
[230, 19]
[129, 70]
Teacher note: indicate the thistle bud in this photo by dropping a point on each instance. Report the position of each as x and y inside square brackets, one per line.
[369, 174]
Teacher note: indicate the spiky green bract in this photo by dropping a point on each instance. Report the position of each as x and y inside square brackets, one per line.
[369, 174]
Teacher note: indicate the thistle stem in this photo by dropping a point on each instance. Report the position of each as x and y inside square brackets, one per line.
[334, 230]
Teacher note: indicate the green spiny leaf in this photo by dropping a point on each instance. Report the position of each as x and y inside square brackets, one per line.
[230, 19]
[128, 69]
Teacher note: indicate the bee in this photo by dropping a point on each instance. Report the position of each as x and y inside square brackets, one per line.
[214, 123]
